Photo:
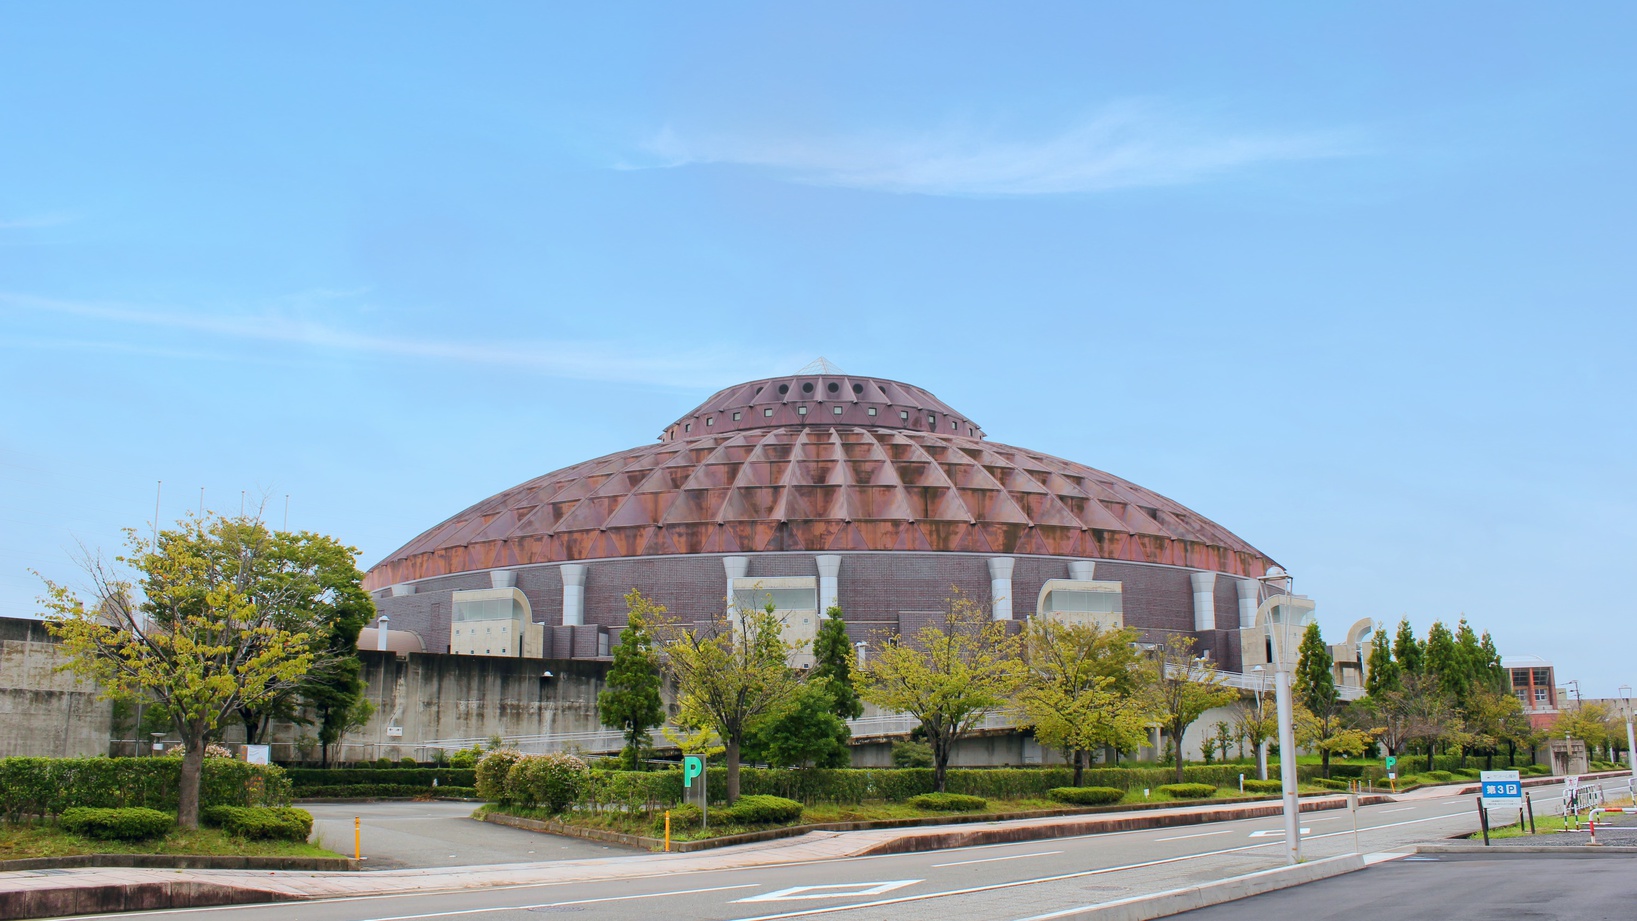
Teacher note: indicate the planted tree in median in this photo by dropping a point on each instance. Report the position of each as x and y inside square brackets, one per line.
[1084, 688]
[731, 673]
[1184, 688]
[182, 631]
[630, 700]
[949, 675]
[1315, 692]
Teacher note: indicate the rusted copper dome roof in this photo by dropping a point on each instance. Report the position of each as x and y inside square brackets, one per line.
[914, 475]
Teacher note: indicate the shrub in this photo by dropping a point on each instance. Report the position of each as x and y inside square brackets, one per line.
[1439, 776]
[1535, 769]
[948, 802]
[764, 810]
[685, 816]
[260, 822]
[128, 824]
[1086, 796]
[1330, 783]
[551, 782]
[1264, 786]
[1187, 790]
[1347, 771]
[911, 755]
[466, 757]
[492, 772]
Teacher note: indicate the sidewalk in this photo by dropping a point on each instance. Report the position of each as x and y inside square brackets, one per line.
[36, 894]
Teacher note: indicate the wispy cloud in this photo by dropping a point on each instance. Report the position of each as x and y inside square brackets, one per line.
[612, 361]
[1127, 145]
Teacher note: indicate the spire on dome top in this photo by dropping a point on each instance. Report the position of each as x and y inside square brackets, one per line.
[820, 365]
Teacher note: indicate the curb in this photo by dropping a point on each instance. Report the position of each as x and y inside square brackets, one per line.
[180, 862]
[1176, 901]
[1567, 850]
[84, 900]
[1082, 821]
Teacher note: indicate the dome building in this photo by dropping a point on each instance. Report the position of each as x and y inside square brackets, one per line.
[820, 488]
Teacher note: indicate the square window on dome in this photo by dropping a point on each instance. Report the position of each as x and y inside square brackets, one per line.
[801, 410]
[710, 422]
[768, 411]
[903, 414]
[736, 417]
[872, 410]
[838, 410]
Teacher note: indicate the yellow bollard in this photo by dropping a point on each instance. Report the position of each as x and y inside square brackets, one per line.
[357, 838]
[667, 831]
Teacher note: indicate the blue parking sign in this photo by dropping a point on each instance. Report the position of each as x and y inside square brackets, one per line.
[1501, 787]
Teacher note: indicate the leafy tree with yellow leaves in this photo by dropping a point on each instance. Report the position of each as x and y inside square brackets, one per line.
[186, 633]
[1084, 688]
[949, 676]
[731, 673]
[1184, 688]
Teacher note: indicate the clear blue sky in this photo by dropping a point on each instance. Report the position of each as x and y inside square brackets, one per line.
[1355, 280]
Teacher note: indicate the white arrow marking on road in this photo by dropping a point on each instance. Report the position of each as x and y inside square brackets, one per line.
[1276, 833]
[830, 891]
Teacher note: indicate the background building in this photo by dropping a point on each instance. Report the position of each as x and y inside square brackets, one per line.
[820, 488]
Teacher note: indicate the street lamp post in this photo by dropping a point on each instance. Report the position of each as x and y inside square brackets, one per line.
[1261, 714]
[1631, 744]
[1277, 625]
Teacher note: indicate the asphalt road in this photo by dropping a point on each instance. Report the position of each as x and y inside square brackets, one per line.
[398, 835]
[1010, 882]
[1454, 888]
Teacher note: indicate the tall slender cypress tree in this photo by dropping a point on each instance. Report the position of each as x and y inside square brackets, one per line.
[631, 700]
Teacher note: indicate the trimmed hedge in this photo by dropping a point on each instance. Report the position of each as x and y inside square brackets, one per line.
[133, 823]
[48, 786]
[1257, 785]
[764, 810]
[1086, 796]
[1187, 790]
[948, 802]
[862, 785]
[1329, 783]
[400, 776]
[685, 816]
[260, 822]
[385, 791]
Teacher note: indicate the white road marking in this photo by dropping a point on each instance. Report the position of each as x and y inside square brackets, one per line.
[1205, 834]
[795, 893]
[1399, 809]
[962, 863]
[1278, 832]
[613, 898]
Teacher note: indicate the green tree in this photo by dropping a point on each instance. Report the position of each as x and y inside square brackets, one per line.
[1315, 691]
[1083, 688]
[1407, 650]
[1445, 662]
[949, 676]
[183, 634]
[1590, 723]
[834, 661]
[1184, 688]
[630, 700]
[731, 673]
[806, 734]
[1383, 673]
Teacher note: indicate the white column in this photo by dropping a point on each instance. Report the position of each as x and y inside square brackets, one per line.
[502, 578]
[1204, 600]
[737, 567]
[1247, 605]
[1082, 570]
[1000, 587]
[381, 634]
[829, 567]
[573, 593]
